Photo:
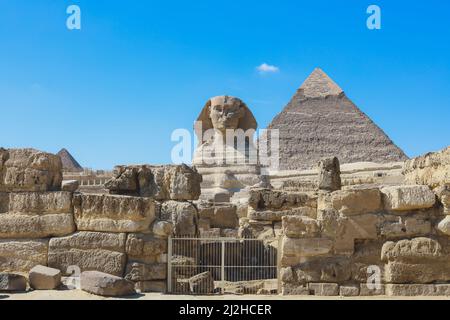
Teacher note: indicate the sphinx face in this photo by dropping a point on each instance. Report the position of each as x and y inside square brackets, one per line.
[225, 113]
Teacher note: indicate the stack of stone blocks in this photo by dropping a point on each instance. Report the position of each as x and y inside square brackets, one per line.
[122, 234]
[372, 239]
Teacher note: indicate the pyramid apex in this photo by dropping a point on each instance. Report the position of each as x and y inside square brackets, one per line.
[319, 84]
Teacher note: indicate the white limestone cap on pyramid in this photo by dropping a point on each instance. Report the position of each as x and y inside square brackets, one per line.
[319, 85]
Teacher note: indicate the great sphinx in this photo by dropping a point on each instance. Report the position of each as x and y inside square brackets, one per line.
[226, 155]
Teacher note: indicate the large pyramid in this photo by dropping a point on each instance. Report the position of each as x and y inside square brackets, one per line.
[320, 121]
[68, 161]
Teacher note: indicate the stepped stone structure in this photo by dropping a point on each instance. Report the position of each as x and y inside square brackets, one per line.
[321, 122]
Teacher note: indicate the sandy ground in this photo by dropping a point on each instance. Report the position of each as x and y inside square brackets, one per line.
[81, 295]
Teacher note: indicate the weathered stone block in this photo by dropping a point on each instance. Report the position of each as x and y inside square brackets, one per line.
[356, 201]
[23, 226]
[400, 227]
[367, 291]
[417, 290]
[444, 226]
[145, 248]
[406, 272]
[324, 289]
[40, 202]
[182, 215]
[70, 185]
[420, 260]
[162, 229]
[108, 213]
[98, 251]
[289, 289]
[44, 278]
[329, 174]
[137, 271]
[29, 170]
[432, 169]
[271, 215]
[268, 199]
[159, 182]
[349, 291]
[401, 198]
[413, 250]
[300, 227]
[22, 255]
[107, 285]
[12, 282]
[295, 251]
[219, 215]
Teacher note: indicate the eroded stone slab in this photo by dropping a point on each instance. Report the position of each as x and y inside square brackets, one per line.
[414, 197]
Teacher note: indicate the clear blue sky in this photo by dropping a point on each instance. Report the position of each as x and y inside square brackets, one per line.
[113, 92]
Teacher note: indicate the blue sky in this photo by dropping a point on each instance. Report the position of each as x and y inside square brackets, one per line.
[113, 92]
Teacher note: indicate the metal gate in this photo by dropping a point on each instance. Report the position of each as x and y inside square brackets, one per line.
[222, 265]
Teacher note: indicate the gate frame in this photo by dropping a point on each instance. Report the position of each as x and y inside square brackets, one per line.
[222, 240]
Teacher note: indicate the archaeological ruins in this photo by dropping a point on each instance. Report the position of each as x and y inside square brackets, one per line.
[347, 214]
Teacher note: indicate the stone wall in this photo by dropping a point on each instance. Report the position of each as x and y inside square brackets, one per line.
[122, 234]
[400, 231]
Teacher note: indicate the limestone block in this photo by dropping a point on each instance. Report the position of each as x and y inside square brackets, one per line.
[219, 215]
[417, 249]
[408, 272]
[365, 290]
[44, 278]
[70, 185]
[349, 291]
[288, 289]
[417, 290]
[107, 213]
[162, 229]
[36, 215]
[145, 248]
[328, 269]
[22, 255]
[444, 226]
[24, 226]
[29, 170]
[182, 215]
[402, 198]
[329, 174]
[202, 283]
[11, 282]
[432, 169]
[88, 251]
[40, 202]
[295, 251]
[277, 215]
[346, 229]
[420, 260]
[159, 182]
[137, 271]
[104, 284]
[324, 289]
[268, 199]
[400, 227]
[300, 227]
[356, 201]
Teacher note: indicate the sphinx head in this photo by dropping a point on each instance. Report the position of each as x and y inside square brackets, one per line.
[224, 113]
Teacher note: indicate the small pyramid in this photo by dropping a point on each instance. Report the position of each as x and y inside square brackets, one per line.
[320, 121]
[69, 162]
